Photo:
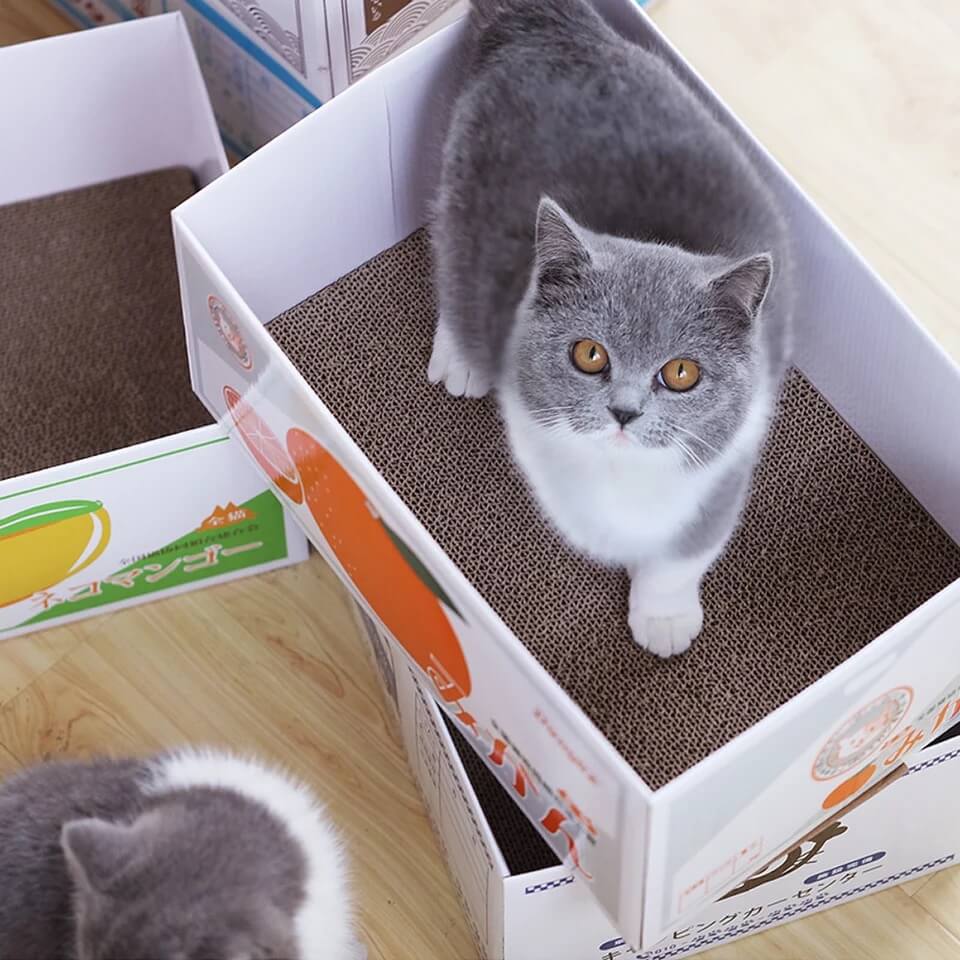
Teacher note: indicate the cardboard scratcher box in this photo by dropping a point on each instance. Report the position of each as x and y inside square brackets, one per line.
[115, 485]
[524, 904]
[829, 654]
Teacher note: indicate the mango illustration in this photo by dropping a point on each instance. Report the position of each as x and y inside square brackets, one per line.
[46, 543]
[382, 567]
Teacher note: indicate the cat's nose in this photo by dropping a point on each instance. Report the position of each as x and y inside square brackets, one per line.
[622, 416]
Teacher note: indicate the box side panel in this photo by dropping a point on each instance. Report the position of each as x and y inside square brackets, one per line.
[132, 526]
[101, 105]
[565, 776]
[900, 835]
[846, 738]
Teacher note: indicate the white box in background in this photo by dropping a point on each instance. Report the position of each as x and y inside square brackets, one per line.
[171, 514]
[356, 178]
[269, 63]
[548, 913]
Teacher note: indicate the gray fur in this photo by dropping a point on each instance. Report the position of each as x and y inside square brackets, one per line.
[93, 868]
[587, 192]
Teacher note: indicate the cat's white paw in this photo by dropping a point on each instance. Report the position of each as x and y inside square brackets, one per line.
[450, 369]
[665, 629]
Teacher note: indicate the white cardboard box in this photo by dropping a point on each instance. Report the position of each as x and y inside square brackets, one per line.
[175, 513]
[541, 910]
[269, 63]
[354, 179]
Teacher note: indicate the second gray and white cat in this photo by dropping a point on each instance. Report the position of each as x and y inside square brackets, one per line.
[609, 260]
[188, 856]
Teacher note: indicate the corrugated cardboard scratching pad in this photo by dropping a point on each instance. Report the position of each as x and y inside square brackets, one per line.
[832, 551]
[92, 352]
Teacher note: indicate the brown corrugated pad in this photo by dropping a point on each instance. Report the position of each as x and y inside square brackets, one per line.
[833, 550]
[92, 351]
[522, 847]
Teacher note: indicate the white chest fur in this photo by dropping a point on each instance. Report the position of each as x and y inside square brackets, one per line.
[619, 504]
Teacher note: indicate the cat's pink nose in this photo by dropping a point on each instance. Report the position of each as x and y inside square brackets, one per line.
[622, 416]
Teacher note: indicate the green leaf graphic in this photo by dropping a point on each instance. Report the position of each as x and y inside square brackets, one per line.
[423, 574]
[44, 513]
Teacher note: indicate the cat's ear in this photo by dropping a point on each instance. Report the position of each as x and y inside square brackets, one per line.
[96, 851]
[562, 254]
[745, 285]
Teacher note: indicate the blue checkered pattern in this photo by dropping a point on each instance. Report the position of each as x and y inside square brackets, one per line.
[552, 885]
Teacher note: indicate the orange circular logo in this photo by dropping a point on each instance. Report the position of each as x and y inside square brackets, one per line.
[229, 330]
[859, 737]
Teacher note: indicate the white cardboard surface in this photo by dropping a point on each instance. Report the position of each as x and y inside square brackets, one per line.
[158, 116]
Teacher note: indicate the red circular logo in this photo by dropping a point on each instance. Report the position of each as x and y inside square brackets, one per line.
[859, 737]
[227, 327]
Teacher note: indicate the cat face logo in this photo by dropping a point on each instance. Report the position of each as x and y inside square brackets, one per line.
[227, 327]
[855, 741]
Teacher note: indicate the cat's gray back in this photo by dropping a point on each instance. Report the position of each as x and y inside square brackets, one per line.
[554, 102]
[35, 905]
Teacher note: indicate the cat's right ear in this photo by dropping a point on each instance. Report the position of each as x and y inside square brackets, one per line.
[562, 255]
[96, 851]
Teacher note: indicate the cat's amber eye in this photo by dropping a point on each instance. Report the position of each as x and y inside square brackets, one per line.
[590, 356]
[679, 375]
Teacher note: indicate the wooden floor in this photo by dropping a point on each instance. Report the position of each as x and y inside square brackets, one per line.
[861, 102]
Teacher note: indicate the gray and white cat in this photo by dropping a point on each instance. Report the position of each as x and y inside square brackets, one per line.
[189, 856]
[609, 260]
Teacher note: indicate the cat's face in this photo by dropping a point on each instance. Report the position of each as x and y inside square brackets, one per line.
[140, 896]
[636, 346]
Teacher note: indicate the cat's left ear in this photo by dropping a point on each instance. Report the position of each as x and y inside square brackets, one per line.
[96, 851]
[744, 286]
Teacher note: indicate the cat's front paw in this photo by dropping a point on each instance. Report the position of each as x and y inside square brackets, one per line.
[450, 369]
[665, 629]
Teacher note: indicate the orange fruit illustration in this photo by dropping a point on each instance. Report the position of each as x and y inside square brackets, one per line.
[391, 578]
[262, 442]
[849, 787]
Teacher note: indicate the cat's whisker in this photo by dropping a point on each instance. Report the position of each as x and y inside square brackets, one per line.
[692, 457]
[695, 436]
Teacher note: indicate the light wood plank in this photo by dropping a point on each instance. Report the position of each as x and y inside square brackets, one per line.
[885, 926]
[941, 899]
[22, 20]
[23, 659]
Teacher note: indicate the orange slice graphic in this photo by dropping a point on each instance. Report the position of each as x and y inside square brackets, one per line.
[401, 591]
[262, 442]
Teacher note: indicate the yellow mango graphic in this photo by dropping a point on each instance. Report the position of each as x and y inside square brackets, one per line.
[47, 543]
